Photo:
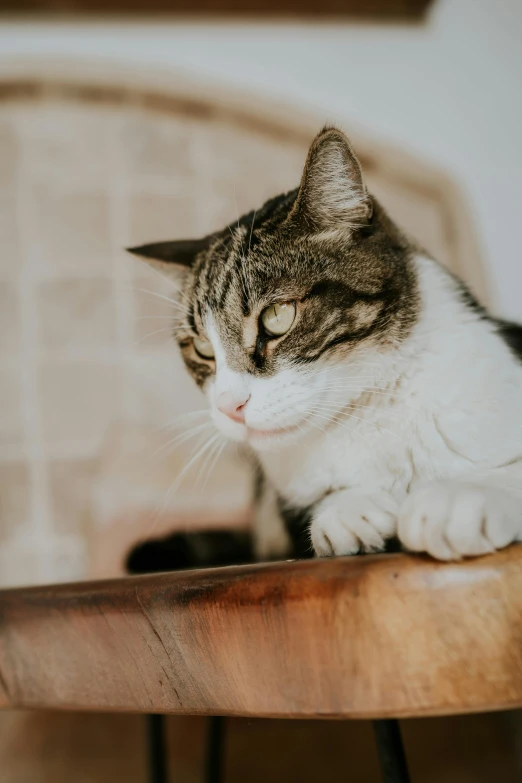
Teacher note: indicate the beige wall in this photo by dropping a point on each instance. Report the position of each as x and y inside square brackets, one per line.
[447, 91]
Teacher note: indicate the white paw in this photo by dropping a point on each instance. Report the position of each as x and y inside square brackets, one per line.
[347, 522]
[450, 520]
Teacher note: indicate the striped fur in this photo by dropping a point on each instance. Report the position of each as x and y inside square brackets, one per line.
[339, 256]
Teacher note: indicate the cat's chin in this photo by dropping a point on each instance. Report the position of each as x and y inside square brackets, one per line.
[266, 440]
[262, 439]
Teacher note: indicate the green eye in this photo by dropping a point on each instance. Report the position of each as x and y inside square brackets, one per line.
[203, 348]
[278, 318]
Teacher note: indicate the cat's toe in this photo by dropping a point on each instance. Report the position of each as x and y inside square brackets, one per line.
[465, 525]
[346, 523]
[330, 536]
[422, 522]
[450, 520]
[502, 521]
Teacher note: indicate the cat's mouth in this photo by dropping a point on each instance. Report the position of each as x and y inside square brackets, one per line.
[255, 434]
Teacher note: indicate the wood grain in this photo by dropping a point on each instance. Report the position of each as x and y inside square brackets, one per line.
[345, 637]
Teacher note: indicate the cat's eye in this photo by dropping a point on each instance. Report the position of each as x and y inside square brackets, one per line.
[203, 348]
[278, 318]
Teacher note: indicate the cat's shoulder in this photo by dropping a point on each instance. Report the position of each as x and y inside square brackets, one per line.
[511, 333]
[448, 303]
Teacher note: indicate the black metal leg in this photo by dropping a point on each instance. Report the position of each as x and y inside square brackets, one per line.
[156, 750]
[214, 754]
[392, 758]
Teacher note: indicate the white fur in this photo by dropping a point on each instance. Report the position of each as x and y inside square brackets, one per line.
[427, 440]
[270, 538]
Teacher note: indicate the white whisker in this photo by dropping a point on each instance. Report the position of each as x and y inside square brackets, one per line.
[251, 229]
[173, 302]
[361, 390]
[208, 444]
[149, 317]
[210, 462]
[333, 421]
[176, 483]
[162, 277]
[361, 406]
[366, 421]
[170, 445]
[151, 334]
[183, 416]
[314, 424]
[238, 224]
[221, 244]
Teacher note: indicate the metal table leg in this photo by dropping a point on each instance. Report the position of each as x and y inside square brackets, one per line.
[214, 751]
[392, 758]
[156, 749]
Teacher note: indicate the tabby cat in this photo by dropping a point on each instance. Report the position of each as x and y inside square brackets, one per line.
[378, 398]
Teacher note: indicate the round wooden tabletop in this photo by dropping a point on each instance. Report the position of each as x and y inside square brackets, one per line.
[362, 637]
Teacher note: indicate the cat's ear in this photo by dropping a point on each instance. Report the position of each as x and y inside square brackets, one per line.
[172, 258]
[332, 195]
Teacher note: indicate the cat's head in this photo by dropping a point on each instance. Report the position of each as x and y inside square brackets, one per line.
[284, 315]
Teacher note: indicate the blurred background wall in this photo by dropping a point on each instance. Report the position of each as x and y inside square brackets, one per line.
[446, 88]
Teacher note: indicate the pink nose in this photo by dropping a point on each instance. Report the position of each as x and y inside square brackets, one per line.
[232, 406]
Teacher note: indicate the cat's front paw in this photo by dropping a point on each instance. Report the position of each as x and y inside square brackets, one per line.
[451, 520]
[347, 522]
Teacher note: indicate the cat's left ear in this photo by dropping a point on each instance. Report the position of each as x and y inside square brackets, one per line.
[332, 195]
[172, 258]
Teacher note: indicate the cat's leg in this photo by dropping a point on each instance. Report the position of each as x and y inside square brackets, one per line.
[271, 540]
[350, 521]
[465, 518]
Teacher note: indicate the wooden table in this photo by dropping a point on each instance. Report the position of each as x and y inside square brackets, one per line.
[377, 637]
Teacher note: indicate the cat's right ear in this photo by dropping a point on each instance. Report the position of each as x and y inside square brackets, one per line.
[332, 197]
[172, 258]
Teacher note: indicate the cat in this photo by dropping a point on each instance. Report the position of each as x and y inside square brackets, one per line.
[379, 399]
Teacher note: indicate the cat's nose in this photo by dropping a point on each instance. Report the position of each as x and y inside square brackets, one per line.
[232, 405]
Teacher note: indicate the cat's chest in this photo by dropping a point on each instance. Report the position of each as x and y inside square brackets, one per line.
[344, 457]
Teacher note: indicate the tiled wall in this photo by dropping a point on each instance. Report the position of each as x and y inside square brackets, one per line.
[81, 346]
